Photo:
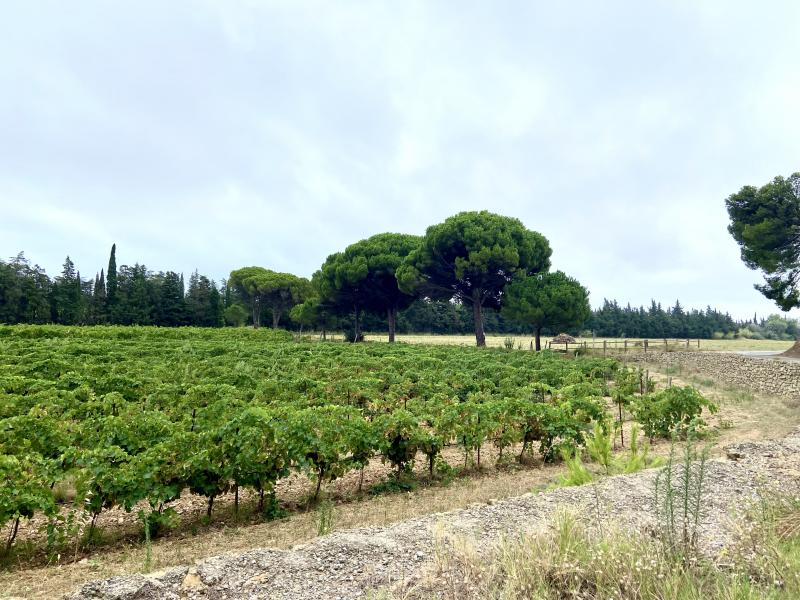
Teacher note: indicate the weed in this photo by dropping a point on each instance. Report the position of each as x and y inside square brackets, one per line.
[397, 482]
[599, 447]
[445, 471]
[638, 455]
[325, 517]
[679, 490]
[271, 509]
[577, 473]
[148, 556]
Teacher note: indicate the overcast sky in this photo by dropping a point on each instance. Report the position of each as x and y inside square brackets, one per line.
[218, 134]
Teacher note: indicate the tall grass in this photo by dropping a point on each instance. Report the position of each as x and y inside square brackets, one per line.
[573, 561]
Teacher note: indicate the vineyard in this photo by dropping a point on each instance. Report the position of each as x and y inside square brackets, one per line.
[133, 418]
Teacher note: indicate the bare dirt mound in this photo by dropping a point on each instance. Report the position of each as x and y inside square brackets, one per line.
[346, 564]
[793, 352]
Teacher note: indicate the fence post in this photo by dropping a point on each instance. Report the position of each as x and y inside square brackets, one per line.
[698, 343]
[625, 346]
[645, 346]
[687, 343]
[604, 347]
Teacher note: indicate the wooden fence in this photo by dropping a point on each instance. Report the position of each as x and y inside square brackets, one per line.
[616, 346]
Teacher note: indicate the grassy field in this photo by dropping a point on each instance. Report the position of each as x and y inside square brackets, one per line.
[739, 345]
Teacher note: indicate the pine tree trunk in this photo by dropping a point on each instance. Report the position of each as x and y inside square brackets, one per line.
[538, 339]
[392, 317]
[477, 313]
[276, 317]
[255, 315]
[357, 326]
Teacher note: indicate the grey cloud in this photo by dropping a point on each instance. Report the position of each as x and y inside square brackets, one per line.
[216, 134]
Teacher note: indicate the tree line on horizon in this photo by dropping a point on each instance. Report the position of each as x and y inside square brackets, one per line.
[474, 272]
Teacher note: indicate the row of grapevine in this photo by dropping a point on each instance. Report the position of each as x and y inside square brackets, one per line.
[146, 416]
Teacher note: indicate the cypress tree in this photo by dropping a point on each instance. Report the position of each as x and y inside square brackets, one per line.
[111, 283]
[99, 298]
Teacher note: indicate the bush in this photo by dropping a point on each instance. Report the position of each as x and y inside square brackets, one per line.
[671, 412]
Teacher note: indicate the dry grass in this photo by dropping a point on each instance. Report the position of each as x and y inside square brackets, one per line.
[524, 341]
[573, 561]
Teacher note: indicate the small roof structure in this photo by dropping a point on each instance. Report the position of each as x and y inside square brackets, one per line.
[563, 338]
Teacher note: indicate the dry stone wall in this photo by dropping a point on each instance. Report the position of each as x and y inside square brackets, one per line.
[766, 375]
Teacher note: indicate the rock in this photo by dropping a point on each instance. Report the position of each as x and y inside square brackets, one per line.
[192, 581]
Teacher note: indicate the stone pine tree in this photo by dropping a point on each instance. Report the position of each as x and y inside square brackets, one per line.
[263, 288]
[765, 222]
[245, 282]
[281, 291]
[546, 300]
[362, 277]
[470, 258]
[339, 283]
[316, 315]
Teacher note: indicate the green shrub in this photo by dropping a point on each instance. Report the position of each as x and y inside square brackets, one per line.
[675, 411]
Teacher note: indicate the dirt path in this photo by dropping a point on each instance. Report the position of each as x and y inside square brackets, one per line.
[347, 564]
